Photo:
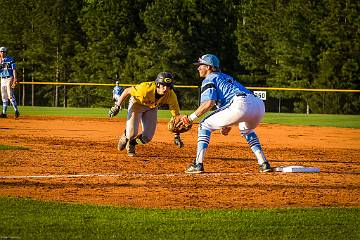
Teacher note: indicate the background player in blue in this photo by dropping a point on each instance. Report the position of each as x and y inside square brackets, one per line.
[117, 91]
[235, 105]
[8, 82]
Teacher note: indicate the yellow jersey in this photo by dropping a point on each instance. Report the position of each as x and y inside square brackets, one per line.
[144, 94]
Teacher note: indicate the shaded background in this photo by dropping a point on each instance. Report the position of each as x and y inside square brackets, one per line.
[307, 44]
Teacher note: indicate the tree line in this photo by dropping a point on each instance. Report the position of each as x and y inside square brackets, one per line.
[274, 43]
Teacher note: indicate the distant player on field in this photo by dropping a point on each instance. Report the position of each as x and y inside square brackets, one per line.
[8, 82]
[236, 105]
[117, 91]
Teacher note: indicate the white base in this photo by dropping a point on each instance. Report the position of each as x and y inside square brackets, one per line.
[301, 169]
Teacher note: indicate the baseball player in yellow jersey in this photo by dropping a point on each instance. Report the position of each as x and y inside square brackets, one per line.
[143, 106]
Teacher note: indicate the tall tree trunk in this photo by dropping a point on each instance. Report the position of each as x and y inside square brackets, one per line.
[23, 86]
[57, 77]
[65, 97]
[32, 91]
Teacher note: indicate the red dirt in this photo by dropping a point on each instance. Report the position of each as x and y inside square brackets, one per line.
[68, 147]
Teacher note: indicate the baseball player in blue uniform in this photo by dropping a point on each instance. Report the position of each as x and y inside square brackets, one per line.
[235, 105]
[117, 91]
[8, 82]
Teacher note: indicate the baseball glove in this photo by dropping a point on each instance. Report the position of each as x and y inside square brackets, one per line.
[114, 110]
[175, 127]
[14, 84]
[225, 130]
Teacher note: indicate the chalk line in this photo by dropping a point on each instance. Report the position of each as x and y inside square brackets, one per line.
[121, 175]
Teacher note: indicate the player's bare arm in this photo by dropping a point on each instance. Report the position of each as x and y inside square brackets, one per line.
[14, 80]
[14, 75]
[123, 96]
[117, 107]
[204, 107]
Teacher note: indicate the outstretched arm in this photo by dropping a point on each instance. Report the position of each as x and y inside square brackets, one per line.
[14, 80]
[117, 107]
[202, 109]
[123, 96]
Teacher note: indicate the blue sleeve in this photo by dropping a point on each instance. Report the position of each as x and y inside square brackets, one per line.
[208, 90]
[121, 90]
[11, 62]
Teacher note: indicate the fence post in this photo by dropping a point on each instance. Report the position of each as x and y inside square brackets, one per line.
[279, 104]
[23, 87]
[307, 108]
[32, 91]
[199, 95]
[65, 97]
[19, 95]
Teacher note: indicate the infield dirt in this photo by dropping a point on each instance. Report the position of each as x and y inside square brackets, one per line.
[73, 159]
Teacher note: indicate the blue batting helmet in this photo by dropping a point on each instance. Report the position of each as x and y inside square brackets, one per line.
[3, 49]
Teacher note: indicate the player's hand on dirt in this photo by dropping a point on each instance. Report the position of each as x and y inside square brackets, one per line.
[184, 121]
[225, 130]
[114, 110]
[177, 141]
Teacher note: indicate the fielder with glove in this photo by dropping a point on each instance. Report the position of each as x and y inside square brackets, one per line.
[8, 82]
[143, 107]
[177, 128]
[236, 105]
[176, 125]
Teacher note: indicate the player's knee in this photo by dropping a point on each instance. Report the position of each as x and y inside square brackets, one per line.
[206, 127]
[246, 132]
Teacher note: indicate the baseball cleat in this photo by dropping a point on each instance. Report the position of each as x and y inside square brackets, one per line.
[3, 115]
[195, 168]
[130, 149]
[265, 167]
[17, 114]
[122, 142]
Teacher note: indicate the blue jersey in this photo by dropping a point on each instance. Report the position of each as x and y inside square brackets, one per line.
[7, 66]
[221, 88]
[117, 90]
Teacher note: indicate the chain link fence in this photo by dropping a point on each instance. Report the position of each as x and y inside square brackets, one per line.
[281, 100]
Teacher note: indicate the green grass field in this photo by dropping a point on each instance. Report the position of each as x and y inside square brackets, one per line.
[3, 147]
[29, 219]
[347, 121]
